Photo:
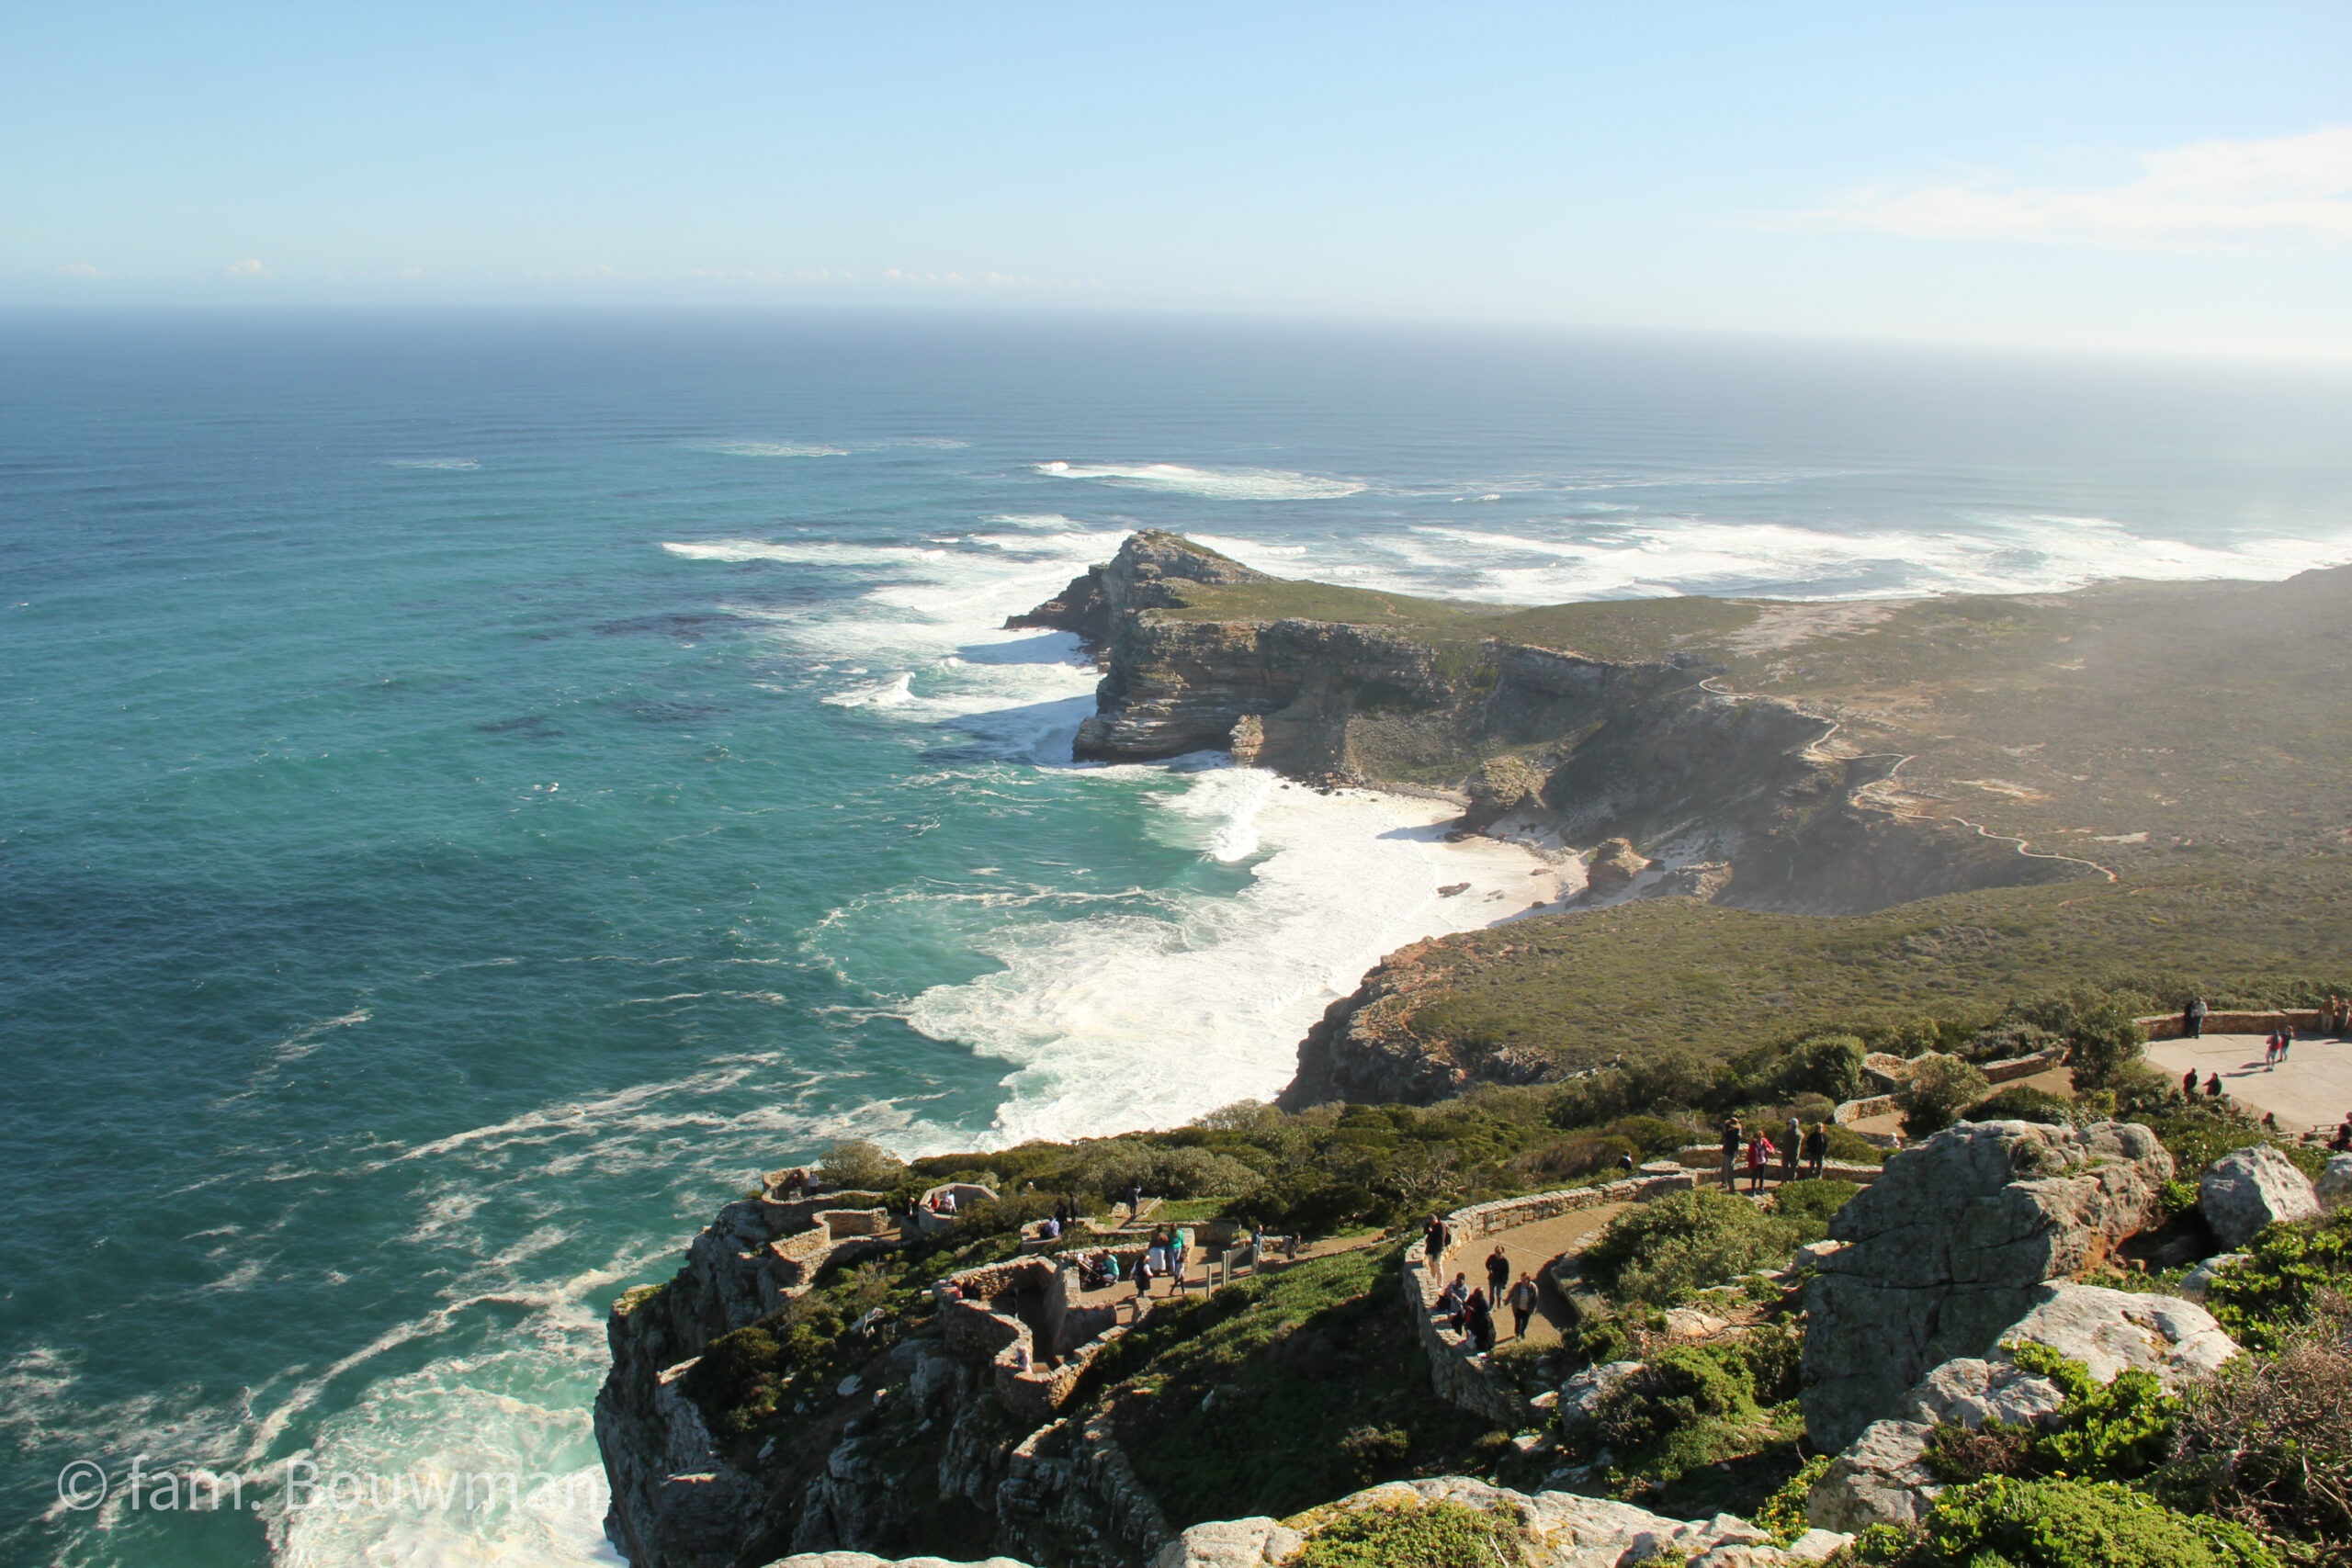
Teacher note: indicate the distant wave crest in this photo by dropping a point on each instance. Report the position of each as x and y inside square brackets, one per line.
[1214, 484]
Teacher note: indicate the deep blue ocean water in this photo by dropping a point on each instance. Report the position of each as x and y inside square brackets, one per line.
[474, 790]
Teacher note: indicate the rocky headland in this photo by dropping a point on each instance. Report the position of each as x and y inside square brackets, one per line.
[1828, 852]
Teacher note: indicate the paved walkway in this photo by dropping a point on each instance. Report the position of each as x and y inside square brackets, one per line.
[1529, 1247]
[2311, 1088]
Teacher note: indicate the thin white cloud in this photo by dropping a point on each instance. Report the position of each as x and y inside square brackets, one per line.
[249, 267]
[79, 269]
[2285, 191]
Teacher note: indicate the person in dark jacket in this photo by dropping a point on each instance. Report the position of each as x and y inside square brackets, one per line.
[1479, 1319]
[1817, 1150]
[1497, 1273]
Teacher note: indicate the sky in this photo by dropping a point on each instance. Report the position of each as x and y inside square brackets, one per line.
[2144, 176]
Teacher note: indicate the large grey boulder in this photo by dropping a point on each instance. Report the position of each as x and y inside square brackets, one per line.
[2333, 1188]
[1581, 1395]
[1882, 1477]
[1952, 1246]
[2248, 1189]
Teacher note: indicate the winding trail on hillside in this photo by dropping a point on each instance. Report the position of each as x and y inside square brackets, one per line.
[1867, 794]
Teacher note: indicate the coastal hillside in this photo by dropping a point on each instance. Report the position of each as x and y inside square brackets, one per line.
[2132, 786]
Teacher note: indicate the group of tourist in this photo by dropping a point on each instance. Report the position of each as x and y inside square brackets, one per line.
[2276, 1045]
[1470, 1309]
[1802, 1145]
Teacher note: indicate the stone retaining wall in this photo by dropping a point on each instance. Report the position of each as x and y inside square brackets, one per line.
[1463, 1378]
[2168, 1026]
[838, 1236]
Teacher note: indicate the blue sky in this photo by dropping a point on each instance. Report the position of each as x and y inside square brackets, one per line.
[2142, 176]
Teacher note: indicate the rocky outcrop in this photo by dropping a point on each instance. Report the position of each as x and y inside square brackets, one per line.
[2251, 1187]
[1502, 787]
[1561, 1529]
[1882, 1477]
[1100, 601]
[1954, 1245]
[1582, 1395]
[1613, 866]
[867, 1560]
[2333, 1189]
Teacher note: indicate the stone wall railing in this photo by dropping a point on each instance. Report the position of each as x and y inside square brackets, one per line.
[2023, 1067]
[1708, 1159]
[2169, 1026]
[976, 1324]
[837, 1236]
[1463, 1377]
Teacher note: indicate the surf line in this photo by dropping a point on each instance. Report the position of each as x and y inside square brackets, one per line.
[1865, 795]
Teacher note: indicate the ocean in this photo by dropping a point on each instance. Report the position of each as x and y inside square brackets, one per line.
[478, 788]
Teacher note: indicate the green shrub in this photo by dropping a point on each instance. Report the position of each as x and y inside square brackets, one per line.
[862, 1166]
[2117, 1431]
[1851, 1147]
[1667, 1251]
[2102, 1038]
[1811, 1204]
[1782, 1513]
[2008, 1039]
[1677, 1387]
[1433, 1535]
[2019, 1103]
[1938, 1089]
[2291, 1269]
[1113, 1165]
[2075, 1524]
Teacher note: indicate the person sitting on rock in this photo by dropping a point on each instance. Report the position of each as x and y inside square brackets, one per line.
[1453, 1301]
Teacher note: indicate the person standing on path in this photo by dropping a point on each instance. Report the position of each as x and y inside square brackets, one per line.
[1796, 1135]
[1523, 1305]
[1760, 1155]
[1732, 1135]
[1177, 1253]
[2188, 1081]
[1817, 1150]
[1497, 1273]
[1433, 1242]
[2192, 1018]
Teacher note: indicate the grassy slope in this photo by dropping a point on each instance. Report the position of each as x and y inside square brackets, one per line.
[1675, 973]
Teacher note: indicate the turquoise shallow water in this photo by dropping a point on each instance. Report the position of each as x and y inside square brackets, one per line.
[477, 789]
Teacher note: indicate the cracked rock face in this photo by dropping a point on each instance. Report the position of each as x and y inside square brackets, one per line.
[1954, 1245]
[2248, 1189]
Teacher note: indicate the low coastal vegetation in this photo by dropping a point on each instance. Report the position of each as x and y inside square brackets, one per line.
[1293, 1386]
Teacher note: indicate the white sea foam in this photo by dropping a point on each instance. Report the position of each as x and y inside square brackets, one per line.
[769, 449]
[1142, 1017]
[802, 552]
[1214, 484]
[1999, 554]
[432, 463]
[893, 693]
